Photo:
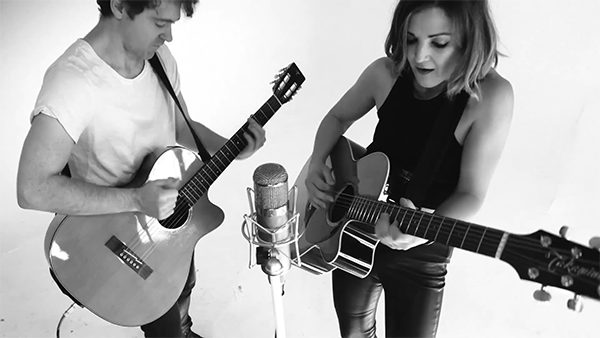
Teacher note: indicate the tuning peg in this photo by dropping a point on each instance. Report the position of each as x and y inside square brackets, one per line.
[595, 242]
[563, 231]
[542, 295]
[575, 303]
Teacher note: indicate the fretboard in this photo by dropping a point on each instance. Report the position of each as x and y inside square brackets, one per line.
[448, 231]
[198, 185]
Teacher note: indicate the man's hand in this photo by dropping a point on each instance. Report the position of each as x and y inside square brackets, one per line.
[390, 234]
[157, 198]
[255, 138]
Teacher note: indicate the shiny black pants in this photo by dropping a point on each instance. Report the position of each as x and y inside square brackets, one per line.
[413, 284]
[176, 322]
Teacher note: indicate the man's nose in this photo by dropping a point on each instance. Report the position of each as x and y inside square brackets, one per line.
[167, 35]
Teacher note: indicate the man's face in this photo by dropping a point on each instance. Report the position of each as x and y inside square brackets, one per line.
[148, 30]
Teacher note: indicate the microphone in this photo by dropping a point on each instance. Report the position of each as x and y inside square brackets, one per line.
[272, 216]
[272, 227]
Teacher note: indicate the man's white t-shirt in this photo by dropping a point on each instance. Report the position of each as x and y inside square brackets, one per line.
[115, 122]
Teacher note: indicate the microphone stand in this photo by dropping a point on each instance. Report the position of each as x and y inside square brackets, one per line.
[274, 270]
[271, 265]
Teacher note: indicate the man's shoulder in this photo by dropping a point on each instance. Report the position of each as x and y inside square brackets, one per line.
[73, 65]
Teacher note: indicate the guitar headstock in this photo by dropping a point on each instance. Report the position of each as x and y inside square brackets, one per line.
[287, 83]
[551, 260]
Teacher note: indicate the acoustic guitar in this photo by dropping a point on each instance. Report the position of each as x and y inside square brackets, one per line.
[129, 268]
[343, 235]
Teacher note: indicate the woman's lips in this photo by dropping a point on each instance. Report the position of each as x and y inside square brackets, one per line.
[424, 71]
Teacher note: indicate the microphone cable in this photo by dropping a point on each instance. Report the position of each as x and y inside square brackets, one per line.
[64, 315]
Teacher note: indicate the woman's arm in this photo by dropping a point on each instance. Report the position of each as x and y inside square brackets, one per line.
[482, 148]
[354, 104]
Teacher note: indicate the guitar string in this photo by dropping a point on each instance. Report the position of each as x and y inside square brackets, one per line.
[525, 243]
[179, 214]
[516, 240]
[490, 247]
[438, 220]
[508, 254]
[181, 210]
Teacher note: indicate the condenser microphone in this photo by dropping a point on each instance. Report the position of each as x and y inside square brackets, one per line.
[272, 213]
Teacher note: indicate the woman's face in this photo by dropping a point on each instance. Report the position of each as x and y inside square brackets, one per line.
[432, 46]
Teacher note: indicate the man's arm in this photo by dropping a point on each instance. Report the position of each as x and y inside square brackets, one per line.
[213, 141]
[40, 186]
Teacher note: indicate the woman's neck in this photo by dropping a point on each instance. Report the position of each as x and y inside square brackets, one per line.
[424, 93]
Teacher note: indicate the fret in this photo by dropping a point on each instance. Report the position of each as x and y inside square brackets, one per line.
[352, 209]
[363, 210]
[198, 185]
[401, 222]
[465, 236]
[445, 228]
[490, 242]
[393, 212]
[452, 232]
[457, 235]
[439, 227]
[419, 224]
[375, 213]
[481, 240]
[473, 237]
[410, 222]
[218, 157]
[359, 209]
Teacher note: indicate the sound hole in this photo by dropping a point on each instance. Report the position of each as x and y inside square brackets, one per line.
[179, 216]
[341, 205]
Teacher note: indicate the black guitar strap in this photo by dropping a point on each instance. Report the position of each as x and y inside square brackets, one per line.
[435, 149]
[160, 71]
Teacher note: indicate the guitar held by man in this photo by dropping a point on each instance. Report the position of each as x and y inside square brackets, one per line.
[129, 268]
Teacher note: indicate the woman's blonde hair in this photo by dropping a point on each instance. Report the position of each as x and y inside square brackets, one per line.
[477, 40]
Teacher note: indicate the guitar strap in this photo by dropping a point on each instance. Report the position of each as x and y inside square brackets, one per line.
[435, 149]
[160, 71]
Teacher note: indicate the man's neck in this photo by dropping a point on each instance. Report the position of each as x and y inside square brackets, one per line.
[107, 42]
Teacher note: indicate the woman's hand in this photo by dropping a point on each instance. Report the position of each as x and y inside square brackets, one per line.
[319, 184]
[390, 235]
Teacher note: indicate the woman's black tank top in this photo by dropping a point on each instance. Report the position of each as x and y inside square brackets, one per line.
[404, 127]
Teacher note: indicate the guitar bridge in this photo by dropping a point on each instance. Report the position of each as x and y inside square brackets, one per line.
[128, 257]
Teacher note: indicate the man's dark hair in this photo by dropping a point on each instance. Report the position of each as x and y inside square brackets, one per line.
[135, 7]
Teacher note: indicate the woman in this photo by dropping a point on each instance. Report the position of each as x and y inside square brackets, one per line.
[437, 52]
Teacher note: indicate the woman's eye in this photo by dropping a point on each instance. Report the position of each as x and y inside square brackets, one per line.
[411, 41]
[440, 44]
[160, 25]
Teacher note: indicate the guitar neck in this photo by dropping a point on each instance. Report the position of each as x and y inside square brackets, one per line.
[198, 185]
[445, 230]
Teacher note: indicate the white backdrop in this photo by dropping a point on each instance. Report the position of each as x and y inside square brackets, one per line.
[228, 53]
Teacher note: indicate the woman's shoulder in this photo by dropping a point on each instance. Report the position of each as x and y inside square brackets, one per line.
[378, 75]
[382, 67]
[494, 87]
[495, 100]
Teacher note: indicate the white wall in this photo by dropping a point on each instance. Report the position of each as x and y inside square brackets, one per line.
[228, 53]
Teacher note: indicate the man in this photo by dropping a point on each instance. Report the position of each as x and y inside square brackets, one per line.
[101, 110]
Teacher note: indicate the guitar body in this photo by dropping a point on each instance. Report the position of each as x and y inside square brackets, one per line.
[128, 268]
[330, 241]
